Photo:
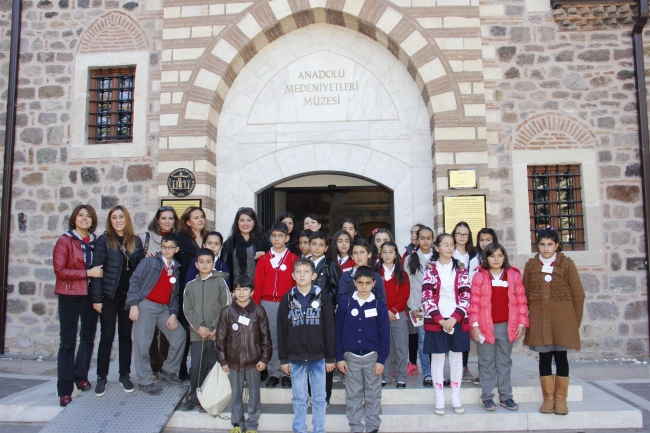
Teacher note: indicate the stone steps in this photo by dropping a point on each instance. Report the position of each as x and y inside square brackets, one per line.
[416, 395]
[421, 418]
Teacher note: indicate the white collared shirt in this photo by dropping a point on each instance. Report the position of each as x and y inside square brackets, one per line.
[463, 258]
[342, 260]
[447, 302]
[355, 296]
[388, 273]
[317, 261]
[276, 258]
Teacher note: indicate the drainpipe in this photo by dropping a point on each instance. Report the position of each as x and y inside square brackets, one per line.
[7, 179]
[642, 111]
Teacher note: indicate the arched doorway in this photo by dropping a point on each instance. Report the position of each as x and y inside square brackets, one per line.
[370, 123]
[332, 197]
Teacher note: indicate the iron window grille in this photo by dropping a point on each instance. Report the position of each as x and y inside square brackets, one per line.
[111, 105]
[555, 199]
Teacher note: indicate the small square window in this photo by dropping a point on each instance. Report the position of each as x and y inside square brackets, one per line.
[555, 199]
[110, 114]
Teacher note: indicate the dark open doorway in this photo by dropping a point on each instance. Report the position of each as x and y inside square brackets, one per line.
[371, 206]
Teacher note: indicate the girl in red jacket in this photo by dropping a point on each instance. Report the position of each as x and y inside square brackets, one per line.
[398, 289]
[499, 315]
[445, 301]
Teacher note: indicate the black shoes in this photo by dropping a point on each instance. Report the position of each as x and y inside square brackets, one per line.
[100, 388]
[286, 382]
[190, 406]
[170, 377]
[427, 381]
[151, 389]
[272, 382]
[401, 385]
[264, 375]
[125, 380]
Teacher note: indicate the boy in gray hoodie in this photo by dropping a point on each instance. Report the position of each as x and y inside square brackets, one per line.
[204, 298]
[153, 301]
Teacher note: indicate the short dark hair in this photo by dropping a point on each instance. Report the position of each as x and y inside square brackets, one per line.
[170, 237]
[318, 235]
[204, 252]
[304, 262]
[361, 243]
[217, 234]
[245, 281]
[280, 227]
[313, 216]
[364, 271]
[549, 233]
[491, 249]
[305, 233]
[91, 213]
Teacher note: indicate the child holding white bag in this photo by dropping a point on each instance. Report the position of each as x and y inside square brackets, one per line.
[498, 313]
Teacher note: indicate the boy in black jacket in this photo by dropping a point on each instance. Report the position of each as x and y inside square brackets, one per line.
[306, 344]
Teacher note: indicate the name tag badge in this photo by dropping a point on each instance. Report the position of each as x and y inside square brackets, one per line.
[372, 312]
[172, 280]
[499, 283]
[548, 278]
[354, 312]
[235, 326]
[283, 267]
[547, 269]
[315, 304]
[170, 272]
[244, 320]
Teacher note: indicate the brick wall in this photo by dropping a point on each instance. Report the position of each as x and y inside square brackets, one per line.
[48, 181]
[551, 68]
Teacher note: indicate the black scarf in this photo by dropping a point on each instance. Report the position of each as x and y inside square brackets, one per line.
[240, 250]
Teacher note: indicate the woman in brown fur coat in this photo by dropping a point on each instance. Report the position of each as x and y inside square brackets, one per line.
[555, 303]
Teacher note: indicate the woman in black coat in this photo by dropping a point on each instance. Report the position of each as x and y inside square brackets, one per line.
[246, 244]
[191, 231]
[119, 252]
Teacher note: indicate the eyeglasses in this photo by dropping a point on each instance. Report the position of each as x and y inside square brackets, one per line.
[461, 235]
[164, 208]
[166, 248]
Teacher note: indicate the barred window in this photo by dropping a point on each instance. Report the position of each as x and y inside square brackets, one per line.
[110, 117]
[555, 199]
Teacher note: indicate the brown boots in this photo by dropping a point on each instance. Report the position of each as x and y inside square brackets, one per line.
[555, 390]
[561, 393]
[548, 391]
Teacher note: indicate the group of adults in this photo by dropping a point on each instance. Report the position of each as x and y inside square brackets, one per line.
[93, 274]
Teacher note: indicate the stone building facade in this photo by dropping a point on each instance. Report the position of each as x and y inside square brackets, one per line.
[493, 85]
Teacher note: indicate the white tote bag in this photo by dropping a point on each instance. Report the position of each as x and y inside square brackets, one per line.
[215, 392]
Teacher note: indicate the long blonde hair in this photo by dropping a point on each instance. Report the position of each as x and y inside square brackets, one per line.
[129, 235]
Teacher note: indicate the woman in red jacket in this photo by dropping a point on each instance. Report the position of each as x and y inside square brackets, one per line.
[72, 259]
[498, 313]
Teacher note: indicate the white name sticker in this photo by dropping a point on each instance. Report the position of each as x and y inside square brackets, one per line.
[371, 312]
[235, 326]
[283, 267]
[314, 304]
[499, 283]
[244, 320]
[354, 312]
[547, 269]
[548, 278]
[172, 280]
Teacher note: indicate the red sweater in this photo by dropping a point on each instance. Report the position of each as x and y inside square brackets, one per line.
[500, 302]
[162, 291]
[271, 284]
[396, 294]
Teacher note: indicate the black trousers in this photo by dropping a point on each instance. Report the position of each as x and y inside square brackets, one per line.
[114, 315]
[561, 363]
[69, 368]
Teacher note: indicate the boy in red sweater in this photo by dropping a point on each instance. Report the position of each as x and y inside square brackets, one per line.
[398, 289]
[272, 280]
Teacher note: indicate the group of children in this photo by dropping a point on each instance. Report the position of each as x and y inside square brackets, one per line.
[310, 311]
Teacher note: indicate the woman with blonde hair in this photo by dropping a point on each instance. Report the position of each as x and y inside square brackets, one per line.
[118, 251]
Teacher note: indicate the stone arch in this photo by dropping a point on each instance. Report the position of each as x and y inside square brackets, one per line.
[264, 22]
[114, 31]
[552, 130]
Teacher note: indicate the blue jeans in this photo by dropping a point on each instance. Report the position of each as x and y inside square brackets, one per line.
[424, 357]
[316, 372]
